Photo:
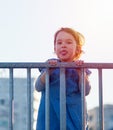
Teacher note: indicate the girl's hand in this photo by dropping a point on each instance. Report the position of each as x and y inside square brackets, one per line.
[52, 62]
[79, 62]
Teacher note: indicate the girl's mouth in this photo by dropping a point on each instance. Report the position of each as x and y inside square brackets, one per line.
[64, 52]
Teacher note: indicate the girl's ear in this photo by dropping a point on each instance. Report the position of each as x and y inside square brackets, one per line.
[78, 51]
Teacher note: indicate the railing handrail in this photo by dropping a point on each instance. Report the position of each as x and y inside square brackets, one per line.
[60, 64]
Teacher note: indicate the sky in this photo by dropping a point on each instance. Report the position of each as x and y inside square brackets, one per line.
[27, 30]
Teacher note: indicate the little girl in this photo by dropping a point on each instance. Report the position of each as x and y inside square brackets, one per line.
[68, 48]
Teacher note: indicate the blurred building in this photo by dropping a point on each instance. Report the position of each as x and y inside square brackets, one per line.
[94, 118]
[20, 103]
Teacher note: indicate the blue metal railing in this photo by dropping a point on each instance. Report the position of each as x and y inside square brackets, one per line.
[62, 66]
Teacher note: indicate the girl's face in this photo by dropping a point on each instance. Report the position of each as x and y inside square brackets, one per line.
[65, 46]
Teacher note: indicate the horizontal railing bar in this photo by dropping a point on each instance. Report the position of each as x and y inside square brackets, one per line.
[62, 64]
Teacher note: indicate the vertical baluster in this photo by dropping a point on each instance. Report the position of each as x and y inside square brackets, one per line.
[29, 99]
[11, 100]
[101, 113]
[62, 99]
[83, 99]
[47, 119]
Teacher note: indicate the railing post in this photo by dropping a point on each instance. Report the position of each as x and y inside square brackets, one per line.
[29, 127]
[82, 83]
[11, 100]
[101, 113]
[62, 99]
[47, 119]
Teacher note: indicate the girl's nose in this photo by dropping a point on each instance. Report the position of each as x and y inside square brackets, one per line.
[63, 44]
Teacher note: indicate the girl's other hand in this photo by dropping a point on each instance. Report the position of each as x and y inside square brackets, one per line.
[52, 62]
[79, 62]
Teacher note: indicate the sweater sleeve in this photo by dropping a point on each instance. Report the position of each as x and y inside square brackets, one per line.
[39, 86]
[87, 82]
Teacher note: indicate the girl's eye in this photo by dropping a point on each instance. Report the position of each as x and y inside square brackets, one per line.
[69, 42]
[59, 42]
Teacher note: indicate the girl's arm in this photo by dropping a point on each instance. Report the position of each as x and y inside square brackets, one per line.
[86, 76]
[87, 82]
[40, 82]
